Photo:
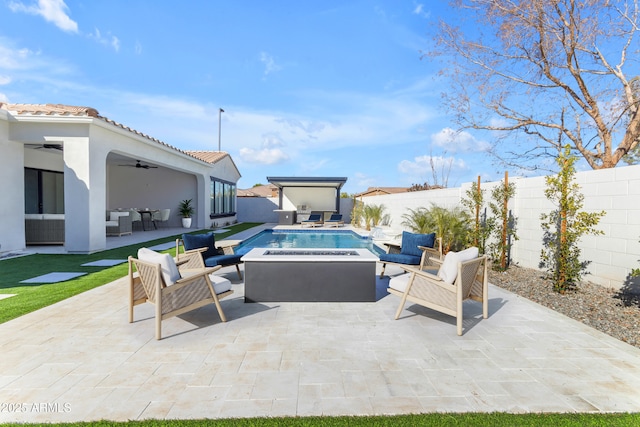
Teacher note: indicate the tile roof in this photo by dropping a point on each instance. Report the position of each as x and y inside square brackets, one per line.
[208, 156]
[259, 191]
[77, 111]
[376, 191]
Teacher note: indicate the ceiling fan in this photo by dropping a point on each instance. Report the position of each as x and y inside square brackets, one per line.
[139, 165]
[46, 146]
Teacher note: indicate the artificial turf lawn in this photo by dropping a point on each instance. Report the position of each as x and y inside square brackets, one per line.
[431, 420]
[31, 297]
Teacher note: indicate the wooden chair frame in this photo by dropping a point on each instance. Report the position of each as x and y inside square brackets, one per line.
[430, 291]
[427, 260]
[192, 291]
[198, 262]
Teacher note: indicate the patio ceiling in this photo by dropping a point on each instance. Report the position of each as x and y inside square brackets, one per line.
[297, 181]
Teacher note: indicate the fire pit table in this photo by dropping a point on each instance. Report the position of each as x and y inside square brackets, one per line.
[309, 275]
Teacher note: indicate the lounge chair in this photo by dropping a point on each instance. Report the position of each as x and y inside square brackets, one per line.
[462, 276]
[212, 254]
[118, 223]
[335, 221]
[157, 280]
[414, 250]
[315, 220]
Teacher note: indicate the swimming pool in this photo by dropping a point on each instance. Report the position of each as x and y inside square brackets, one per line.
[307, 239]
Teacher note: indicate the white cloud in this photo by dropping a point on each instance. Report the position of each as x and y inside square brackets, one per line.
[423, 168]
[54, 11]
[363, 180]
[4, 80]
[108, 40]
[265, 156]
[420, 11]
[138, 48]
[270, 152]
[458, 142]
[269, 63]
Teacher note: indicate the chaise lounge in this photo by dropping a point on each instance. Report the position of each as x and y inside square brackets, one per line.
[335, 221]
[315, 220]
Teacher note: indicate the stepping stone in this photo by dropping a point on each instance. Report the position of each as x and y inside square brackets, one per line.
[53, 278]
[104, 263]
[163, 246]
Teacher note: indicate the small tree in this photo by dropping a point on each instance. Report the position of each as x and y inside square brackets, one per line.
[357, 213]
[504, 228]
[564, 227]
[481, 227]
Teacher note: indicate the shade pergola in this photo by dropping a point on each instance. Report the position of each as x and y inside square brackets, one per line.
[308, 182]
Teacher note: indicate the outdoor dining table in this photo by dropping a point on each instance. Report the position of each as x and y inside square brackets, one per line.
[149, 212]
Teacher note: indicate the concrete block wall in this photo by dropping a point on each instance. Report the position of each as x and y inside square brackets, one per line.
[616, 191]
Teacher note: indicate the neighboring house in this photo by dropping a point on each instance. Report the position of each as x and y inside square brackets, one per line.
[70, 161]
[260, 191]
[380, 191]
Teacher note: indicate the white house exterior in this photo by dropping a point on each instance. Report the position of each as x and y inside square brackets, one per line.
[92, 161]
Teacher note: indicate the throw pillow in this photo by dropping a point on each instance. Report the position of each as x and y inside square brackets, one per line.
[411, 241]
[203, 240]
[449, 268]
[170, 273]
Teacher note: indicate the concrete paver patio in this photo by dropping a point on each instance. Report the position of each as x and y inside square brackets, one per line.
[80, 360]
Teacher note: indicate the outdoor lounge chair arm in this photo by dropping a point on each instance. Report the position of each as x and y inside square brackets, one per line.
[392, 248]
[191, 273]
[431, 278]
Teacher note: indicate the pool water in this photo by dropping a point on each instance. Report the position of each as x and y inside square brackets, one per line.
[307, 239]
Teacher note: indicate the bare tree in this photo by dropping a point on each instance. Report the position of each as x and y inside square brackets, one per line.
[532, 69]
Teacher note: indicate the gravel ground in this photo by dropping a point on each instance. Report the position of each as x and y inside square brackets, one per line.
[607, 310]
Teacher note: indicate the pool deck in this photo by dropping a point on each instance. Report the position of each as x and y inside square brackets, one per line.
[80, 360]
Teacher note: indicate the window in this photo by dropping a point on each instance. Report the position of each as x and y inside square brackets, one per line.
[43, 191]
[223, 198]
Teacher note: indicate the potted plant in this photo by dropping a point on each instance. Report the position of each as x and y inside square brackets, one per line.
[186, 211]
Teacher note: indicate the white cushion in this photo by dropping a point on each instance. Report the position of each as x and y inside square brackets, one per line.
[112, 223]
[399, 283]
[170, 273]
[32, 216]
[113, 216]
[449, 268]
[220, 284]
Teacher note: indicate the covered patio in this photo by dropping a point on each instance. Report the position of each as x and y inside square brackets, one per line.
[84, 360]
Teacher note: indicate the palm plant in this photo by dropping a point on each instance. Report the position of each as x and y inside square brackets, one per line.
[450, 224]
[374, 215]
[418, 221]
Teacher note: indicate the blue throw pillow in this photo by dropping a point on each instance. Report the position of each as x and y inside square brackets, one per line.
[411, 241]
[197, 241]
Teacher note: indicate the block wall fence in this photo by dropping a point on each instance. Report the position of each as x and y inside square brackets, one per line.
[611, 255]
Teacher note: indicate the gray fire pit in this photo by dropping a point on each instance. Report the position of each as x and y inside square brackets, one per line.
[309, 275]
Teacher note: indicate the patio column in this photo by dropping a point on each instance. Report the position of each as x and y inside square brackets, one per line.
[84, 195]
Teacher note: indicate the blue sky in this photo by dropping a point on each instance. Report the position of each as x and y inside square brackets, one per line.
[309, 88]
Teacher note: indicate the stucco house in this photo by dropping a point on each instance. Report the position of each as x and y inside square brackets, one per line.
[74, 163]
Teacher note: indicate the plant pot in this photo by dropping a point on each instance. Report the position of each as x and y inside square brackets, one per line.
[186, 222]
